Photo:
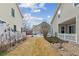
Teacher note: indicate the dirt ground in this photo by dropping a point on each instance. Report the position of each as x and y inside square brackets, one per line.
[69, 49]
[34, 46]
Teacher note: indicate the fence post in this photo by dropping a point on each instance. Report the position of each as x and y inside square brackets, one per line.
[1, 42]
[15, 38]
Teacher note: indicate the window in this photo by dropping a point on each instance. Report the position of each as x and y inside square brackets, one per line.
[12, 12]
[59, 13]
[62, 29]
[76, 4]
[14, 28]
[71, 29]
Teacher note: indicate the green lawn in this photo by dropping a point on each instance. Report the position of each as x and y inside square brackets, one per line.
[2, 53]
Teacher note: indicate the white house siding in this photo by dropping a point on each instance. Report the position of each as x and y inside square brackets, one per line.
[10, 37]
[55, 26]
[77, 28]
[68, 11]
[5, 15]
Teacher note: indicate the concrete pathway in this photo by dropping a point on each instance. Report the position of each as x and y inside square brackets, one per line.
[34, 46]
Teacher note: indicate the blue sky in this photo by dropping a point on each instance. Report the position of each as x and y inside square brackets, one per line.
[35, 13]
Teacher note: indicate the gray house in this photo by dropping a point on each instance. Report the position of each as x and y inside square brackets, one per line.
[65, 22]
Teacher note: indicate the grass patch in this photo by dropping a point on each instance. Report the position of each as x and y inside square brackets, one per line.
[2, 53]
[55, 40]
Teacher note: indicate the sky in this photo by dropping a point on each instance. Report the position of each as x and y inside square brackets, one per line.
[35, 13]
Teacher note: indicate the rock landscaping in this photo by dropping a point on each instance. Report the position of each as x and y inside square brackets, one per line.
[68, 48]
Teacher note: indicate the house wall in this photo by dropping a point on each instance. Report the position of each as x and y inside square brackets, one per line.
[77, 28]
[54, 26]
[5, 15]
[68, 11]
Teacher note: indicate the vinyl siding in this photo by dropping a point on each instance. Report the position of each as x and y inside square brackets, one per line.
[5, 15]
[68, 11]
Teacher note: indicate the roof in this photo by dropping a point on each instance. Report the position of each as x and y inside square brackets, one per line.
[56, 12]
[19, 10]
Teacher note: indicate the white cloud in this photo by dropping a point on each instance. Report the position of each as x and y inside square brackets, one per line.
[33, 6]
[22, 5]
[48, 16]
[42, 5]
[29, 16]
[27, 5]
[36, 10]
[32, 19]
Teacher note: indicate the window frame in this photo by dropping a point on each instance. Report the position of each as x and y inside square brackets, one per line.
[59, 13]
[73, 25]
[76, 5]
[62, 29]
[12, 12]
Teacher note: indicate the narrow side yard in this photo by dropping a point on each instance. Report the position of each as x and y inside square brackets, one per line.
[34, 46]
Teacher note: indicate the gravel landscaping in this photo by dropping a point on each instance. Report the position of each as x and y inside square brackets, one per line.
[69, 49]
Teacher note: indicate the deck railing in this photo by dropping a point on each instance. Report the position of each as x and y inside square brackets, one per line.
[67, 37]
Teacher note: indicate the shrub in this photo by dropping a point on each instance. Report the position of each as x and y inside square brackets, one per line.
[54, 40]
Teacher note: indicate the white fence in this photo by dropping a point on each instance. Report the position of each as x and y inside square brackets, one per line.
[9, 38]
[67, 37]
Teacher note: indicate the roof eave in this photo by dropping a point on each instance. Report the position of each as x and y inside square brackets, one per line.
[56, 12]
[19, 10]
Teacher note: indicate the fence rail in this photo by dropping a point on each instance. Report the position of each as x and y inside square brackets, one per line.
[67, 37]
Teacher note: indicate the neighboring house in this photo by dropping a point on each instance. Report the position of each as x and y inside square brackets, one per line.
[36, 29]
[65, 23]
[10, 16]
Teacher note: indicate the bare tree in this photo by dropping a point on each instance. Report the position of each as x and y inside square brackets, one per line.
[45, 27]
